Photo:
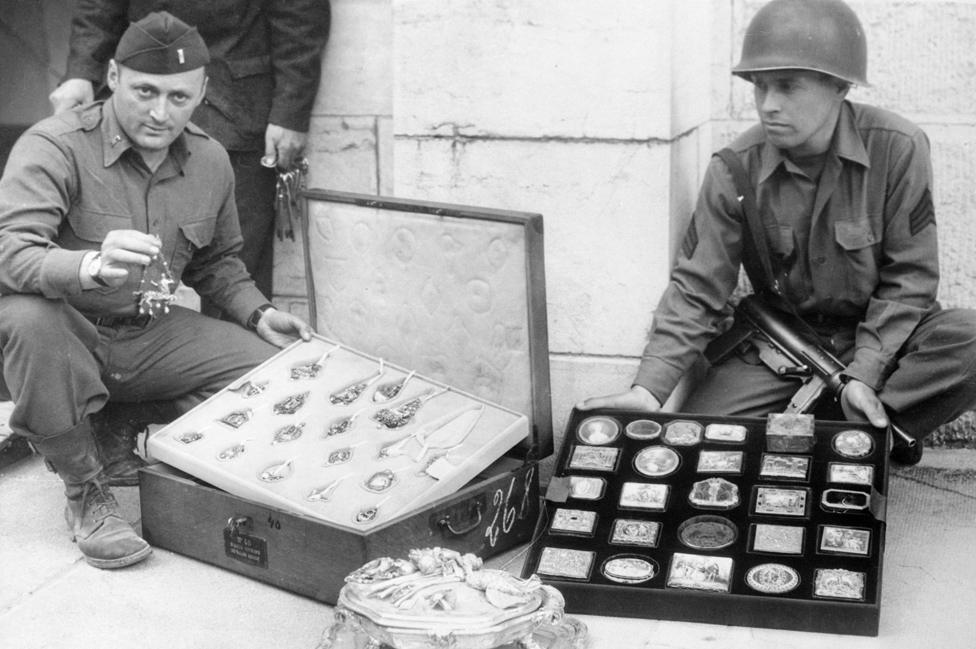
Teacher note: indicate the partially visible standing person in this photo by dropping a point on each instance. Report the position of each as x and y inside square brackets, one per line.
[265, 62]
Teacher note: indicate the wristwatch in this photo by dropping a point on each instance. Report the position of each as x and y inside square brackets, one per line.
[255, 317]
[94, 268]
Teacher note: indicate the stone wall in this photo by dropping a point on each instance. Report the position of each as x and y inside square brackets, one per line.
[570, 113]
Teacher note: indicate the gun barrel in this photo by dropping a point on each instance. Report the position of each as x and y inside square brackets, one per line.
[783, 333]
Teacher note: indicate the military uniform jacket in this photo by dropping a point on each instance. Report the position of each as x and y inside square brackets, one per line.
[265, 58]
[72, 178]
[859, 245]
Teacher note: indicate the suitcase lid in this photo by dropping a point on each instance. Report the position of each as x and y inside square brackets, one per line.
[455, 292]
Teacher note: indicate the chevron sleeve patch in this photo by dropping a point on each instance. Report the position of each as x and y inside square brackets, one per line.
[922, 215]
[691, 239]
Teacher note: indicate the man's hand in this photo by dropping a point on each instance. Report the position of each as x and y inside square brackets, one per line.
[861, 403]
[281, 328]
[71, 93]
[283, 146]
[123, 249]
[637, 398]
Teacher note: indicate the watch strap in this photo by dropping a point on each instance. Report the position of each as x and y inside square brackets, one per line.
[255, 317]
[96, 263]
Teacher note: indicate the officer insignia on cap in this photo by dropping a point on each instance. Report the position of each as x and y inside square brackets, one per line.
[160, 43]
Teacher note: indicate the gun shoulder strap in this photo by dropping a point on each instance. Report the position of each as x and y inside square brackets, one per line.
[761, 266]
[756, 256]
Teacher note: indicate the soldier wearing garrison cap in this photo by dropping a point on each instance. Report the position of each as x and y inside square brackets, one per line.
[265, 62]
[103, 210]
[162, 44]
[847, 189]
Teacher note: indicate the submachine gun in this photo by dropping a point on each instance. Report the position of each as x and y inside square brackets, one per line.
[791, 349]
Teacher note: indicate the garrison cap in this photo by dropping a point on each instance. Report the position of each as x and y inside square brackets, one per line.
[161, 43]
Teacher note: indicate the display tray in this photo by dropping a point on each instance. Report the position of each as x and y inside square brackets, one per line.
[775, 523]
[323, 430]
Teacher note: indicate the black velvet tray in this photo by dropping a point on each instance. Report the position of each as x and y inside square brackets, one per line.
[842, 546]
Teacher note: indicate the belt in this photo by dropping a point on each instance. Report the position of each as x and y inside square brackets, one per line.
[138, 321]
[831, 323]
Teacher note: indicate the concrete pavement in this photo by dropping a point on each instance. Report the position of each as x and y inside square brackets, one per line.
[51, 599]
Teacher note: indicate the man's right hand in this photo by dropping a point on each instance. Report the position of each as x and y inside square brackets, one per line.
[71, 93]
[636, 398]
[123, 249]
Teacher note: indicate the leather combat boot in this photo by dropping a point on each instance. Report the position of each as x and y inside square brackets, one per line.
[116, 435]
[92, 513]
[102, 535]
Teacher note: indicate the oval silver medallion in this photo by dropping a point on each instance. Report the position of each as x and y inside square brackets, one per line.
[772, 578]
[643, 429]
[853, 443]
[707, 532]
[627, 569]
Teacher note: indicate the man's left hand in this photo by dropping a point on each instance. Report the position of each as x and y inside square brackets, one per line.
[281, 328]
[283, 145]
[861, 403]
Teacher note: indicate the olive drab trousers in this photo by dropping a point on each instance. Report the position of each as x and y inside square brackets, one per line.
[59, 367]
[933, 383]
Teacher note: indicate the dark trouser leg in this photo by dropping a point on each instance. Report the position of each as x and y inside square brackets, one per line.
[740, 387]
[156, 374]
[183, 357]
[935, 380]
[51, 367]
[117, 427]
[255, 195]
[933, 383]
[51, 372]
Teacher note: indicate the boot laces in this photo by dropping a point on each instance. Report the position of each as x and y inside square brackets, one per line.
[101, 502]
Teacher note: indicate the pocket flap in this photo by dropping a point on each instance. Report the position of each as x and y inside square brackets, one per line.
[92, 225]
[852, 235]
[248, 67]
[199, 233]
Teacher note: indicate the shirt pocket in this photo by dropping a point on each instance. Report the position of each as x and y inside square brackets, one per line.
[854, 235]
[856, 270]
[92, 225]
[194, 235]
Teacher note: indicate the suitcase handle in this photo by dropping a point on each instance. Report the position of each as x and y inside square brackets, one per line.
[445, 522]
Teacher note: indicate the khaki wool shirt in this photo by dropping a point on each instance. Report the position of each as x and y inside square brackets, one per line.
[72, 178]
[859, 244]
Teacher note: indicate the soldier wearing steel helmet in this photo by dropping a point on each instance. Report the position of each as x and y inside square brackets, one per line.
[847, 189]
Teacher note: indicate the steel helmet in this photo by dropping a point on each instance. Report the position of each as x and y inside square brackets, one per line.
[820, 35]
